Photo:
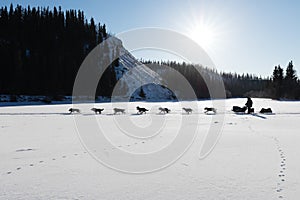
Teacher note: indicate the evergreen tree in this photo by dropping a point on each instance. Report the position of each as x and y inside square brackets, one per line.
[277, 81]
[290, 74]
[290, 81]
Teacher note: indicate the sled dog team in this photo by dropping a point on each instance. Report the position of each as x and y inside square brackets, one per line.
[140, 110]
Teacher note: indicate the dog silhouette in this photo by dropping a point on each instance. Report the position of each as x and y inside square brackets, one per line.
[97, 110]
[210, 110]
[188, 110]
[164, 110]
[72, 110]
[119, 110]
[141, 110]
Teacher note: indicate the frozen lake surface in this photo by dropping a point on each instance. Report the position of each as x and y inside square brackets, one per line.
[256, 157]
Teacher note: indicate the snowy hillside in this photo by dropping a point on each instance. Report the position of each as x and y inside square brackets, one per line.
[131, 75]
[257, 156]
[139, 75]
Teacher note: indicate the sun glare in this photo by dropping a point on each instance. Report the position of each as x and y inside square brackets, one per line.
[204, 35]
[205, 26]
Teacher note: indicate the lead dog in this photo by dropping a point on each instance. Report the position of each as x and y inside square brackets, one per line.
[210, 110]
[97, 110]
[141, 110]
[188, 110]
[71, 110]
[119, 110]
[164, 110]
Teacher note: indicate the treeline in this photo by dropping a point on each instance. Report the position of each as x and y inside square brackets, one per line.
[279, 86]
[197, 80]
[241, 85]
[41, 49]
[282, 84]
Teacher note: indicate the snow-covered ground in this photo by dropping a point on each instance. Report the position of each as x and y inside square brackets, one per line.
[257, 156]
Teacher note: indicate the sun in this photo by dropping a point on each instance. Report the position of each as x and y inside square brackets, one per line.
[204, 34]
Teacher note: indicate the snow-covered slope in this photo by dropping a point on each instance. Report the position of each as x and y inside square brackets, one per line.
[257, 156]
[135, 75]
[132, 75]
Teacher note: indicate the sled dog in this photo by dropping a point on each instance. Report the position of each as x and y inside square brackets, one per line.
[164, 110]
[119, 110]
[141, 110]
[187, 110]
[210, 110]
[72, 110]
[97, 110]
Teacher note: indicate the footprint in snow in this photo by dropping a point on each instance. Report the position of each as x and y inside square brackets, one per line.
[21, 150]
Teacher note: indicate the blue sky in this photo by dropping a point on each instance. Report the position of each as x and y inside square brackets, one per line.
[244, 35]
